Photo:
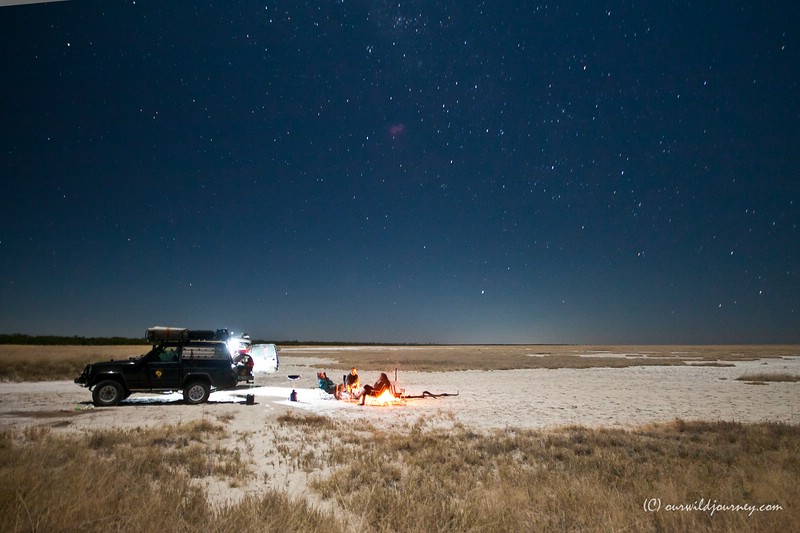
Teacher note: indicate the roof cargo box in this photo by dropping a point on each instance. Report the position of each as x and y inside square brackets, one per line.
[162, 334]
[202, 335]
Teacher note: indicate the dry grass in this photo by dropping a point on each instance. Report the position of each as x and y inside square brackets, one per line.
[571, 479]
[417, 479]
[139, 480]
[307, 420]
[47, 363]
[454, 358]
[42, 363]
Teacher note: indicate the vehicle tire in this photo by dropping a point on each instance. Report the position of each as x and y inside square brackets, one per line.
[196, 392]
[107, 393]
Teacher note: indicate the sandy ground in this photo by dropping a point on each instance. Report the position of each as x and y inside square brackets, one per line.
[487, 400]
[500, 399]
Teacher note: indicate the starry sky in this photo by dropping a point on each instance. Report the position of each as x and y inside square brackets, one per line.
[448, 171]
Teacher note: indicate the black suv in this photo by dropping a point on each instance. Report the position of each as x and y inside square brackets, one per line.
[193, 366]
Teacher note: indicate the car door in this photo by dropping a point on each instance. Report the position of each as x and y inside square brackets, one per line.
[135, 372]
[164, 367]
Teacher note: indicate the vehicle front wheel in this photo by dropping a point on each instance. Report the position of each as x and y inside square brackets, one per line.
[107, 393]
[196, 392]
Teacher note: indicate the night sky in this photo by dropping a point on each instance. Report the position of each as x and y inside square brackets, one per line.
[403, 171]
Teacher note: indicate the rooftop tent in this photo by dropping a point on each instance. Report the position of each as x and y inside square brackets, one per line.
[160, 334]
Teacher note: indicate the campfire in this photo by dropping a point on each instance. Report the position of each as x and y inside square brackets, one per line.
[387, 397]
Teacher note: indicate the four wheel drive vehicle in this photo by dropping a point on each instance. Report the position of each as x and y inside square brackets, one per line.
[176, 363]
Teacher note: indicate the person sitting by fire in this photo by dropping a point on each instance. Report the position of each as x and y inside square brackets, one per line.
[352, 383]
[325, 383]
[380, 386]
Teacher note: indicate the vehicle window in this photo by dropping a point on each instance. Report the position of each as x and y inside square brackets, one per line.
[167, 354]
[221, 351]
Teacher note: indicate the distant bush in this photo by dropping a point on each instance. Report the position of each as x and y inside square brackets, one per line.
[765, 377]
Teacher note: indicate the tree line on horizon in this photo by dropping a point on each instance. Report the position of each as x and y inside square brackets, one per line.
[60, 340]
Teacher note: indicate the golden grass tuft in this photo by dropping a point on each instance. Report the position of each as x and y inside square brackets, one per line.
[306, 420]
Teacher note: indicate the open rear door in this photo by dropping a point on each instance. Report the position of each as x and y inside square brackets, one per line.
[265, 358]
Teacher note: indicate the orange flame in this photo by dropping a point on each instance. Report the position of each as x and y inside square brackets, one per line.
[384, 398]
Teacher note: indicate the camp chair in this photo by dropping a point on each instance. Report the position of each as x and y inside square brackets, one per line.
[397, 392]
[327, 386]
[346, 393]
